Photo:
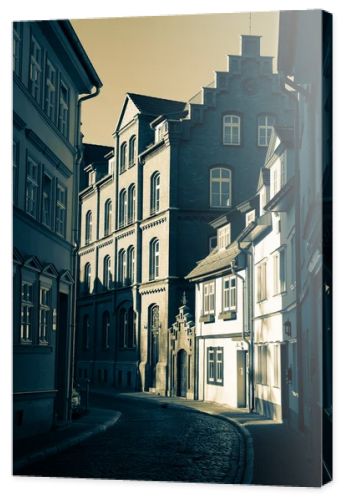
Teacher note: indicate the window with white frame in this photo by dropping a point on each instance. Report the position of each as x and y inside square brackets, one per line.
[250, 217]
[262, 364]
[160, 131]
[261, 282]
[265, 127]
[208, 297]
[215, 365]
[35, 75]
[63, 116]
[60, 210]
[121, 267]
[27, 312]
[154, 259]
[131, 264]
[107, 272]
[87, 277]
[17, 47]
[46, 200]
[123, 157]
[155, 192]
[123, 208]
[220, 187]
[45, 315]
[279, 271]
[132, 148]
[32, 187]
[223, 234]
[276, 365]
[131, 203]
[50, 90]
[107, 217]
[231, 130]
[229, 293]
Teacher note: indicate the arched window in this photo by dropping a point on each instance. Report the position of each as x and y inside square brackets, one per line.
[123, 157]
[130, 343]
[153, 342]
[121, 267]
[155, 192]
[107, 217]
[87, 277]
[220, 187]
[107, 272]
[106, 330]
[131, 265]
[123, 327]
[85, 332]
[131, 203]
[89, 226]
[265, 127]
[231, 130]
[132, 146]
[154, 259]
[122, 208]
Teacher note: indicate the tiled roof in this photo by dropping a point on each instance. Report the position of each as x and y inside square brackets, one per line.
[215, 261]
[155, 105]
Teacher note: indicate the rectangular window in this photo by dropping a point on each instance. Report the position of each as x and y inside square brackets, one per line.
[212, 243]
[27, 310]
[283, 271]
[224, 236]
[63, 108]
[276, 364]
[292, 255]
[17, 47]
[261, 282]
[60, 211]
[231, 130]
[265, 127]
[15, 170]
[160, 131]
[250, 217]
[50, 90]
[262, 353]
[215, 365]
[45, 315]
[47, 200]
[276, 273]
[229, 294]
[32, 187]
[35, 75]
[209, 298]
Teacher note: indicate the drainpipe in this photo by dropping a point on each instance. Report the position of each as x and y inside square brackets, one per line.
[250, 340]
[76, 221]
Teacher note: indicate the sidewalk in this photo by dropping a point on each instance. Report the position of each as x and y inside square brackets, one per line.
[30, 450]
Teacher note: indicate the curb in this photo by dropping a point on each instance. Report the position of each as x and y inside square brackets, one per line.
[64, 445]
[246, 476]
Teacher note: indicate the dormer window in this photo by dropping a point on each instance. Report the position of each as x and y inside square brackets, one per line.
[250, 217]
[223, 236]
[278, 175]
[160, 131]
[92, 177]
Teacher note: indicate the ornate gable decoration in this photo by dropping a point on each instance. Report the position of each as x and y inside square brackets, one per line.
[33, 263]
[17, 257]
[66, 277]
[50, 270]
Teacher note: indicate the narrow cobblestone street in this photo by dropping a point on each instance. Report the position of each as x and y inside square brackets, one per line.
[153, 442]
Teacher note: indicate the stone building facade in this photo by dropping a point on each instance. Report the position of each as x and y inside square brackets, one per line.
[50, 72]
[177, 166]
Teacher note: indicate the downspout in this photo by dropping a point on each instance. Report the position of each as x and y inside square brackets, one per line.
[75, 232]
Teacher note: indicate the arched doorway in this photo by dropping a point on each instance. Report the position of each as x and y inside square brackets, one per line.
[153, 322]
[182, 373]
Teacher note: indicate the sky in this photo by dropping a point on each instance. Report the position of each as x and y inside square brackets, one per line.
[164, 56]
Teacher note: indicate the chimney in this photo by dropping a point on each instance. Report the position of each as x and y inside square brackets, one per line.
[250, 45]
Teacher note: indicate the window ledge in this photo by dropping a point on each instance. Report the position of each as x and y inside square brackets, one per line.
[207, 318]
[227, 315]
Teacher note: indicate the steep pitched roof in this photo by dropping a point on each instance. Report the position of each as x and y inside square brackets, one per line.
[215, 261]
[285, 134]
[155, 105]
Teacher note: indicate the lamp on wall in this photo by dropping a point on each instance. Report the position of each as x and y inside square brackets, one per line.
[288, 328]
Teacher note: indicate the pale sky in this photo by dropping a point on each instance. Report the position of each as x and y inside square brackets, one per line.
[167, 56]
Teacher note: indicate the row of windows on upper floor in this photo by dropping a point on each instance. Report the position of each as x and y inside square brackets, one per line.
[45, 196]
[232, 127]
[127, 154]
[46, 84]
[125, 268]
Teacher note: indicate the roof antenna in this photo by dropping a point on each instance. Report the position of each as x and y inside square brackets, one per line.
[250, 22]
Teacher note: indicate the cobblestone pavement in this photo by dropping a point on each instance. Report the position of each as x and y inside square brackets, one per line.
[153, 442]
